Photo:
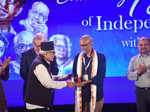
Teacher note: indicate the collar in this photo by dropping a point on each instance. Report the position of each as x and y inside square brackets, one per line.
[146, 55]
[91, 54]
[47, 62]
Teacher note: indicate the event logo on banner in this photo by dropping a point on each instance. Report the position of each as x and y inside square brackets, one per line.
[121, 23]
[134, 5]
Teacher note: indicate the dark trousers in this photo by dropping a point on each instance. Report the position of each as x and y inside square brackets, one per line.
[98, 108]
[143, 99]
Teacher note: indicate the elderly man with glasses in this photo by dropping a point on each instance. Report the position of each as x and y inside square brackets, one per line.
[89, 65]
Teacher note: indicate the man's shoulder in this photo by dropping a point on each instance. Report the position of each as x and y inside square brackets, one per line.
[135, 57]
[100, 54]
[28, 52]
[77, 55]
[38, 60]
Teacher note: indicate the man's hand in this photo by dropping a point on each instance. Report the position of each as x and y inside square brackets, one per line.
[70, 75]
[141, 68]
[81, 84]
[6, 62]
[4, 65]
[70, 84]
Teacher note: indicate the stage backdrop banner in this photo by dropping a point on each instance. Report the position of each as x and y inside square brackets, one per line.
[114, 25]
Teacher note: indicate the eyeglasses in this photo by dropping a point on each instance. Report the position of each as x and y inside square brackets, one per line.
[84, 45]
[23, 46]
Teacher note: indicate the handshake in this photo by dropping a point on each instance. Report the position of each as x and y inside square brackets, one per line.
[81, 84]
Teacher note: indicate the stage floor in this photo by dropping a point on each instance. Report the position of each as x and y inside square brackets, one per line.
[115, 107]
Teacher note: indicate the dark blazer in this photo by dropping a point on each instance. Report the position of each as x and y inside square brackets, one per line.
[25, 65]
[99, 78]
[26, 61]
[4, 76]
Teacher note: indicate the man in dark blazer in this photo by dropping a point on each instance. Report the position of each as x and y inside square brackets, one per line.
[89, 65]
[4, 75]
[29, 56]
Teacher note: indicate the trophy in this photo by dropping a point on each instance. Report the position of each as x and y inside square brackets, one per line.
[79, 82]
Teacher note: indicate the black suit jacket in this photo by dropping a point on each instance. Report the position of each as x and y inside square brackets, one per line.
[25, 65]
[3, 76]
[26, 61]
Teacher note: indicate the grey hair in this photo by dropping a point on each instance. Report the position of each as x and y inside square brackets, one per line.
[42, 52]
[39, 36]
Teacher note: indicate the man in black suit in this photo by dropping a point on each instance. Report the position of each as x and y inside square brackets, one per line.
[29, 56]
[4, 75]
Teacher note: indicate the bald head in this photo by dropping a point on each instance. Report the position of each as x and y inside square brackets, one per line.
[86, 44]
[86, 38]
